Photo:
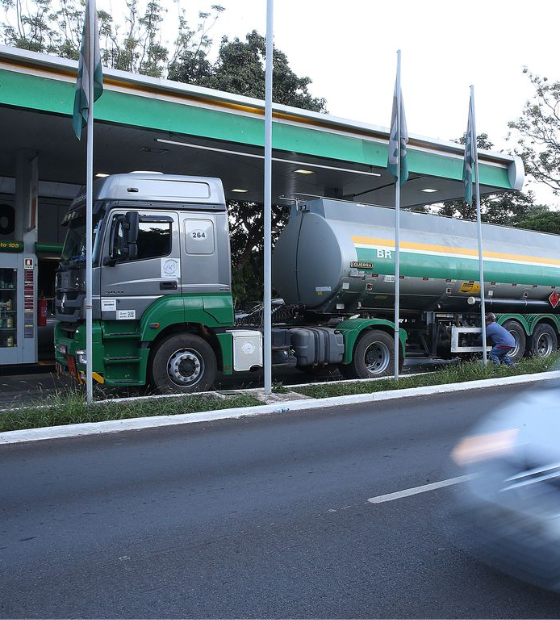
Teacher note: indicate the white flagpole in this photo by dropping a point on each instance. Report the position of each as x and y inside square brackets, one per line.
[267, 306]
[89, 201]
[398, 219]
[479, 231]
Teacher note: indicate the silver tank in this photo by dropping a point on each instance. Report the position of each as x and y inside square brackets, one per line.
[338, 257]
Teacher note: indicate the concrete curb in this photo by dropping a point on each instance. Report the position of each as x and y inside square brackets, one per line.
[118, 426]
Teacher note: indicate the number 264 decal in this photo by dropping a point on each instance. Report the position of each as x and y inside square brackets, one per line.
[198, 234]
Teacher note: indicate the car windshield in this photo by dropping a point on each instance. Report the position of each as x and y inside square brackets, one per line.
[74, 250]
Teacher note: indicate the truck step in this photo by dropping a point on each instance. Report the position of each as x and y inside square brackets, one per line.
[112, 336]
[121, 382]
[125, 359]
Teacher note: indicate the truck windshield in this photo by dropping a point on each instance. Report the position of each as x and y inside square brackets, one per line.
[74, 250]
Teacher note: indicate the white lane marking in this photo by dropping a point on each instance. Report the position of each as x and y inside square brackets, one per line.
[421, 489]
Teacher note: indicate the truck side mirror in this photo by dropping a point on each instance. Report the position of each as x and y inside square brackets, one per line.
[131, 226]
[123, 238]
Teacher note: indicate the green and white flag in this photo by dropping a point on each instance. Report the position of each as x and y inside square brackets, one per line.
[470, 154]
[398, 134]
[86, 73]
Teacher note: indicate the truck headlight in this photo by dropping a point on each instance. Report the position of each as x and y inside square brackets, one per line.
[81, 357]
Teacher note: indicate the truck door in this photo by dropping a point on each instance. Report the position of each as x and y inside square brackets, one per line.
[131, 282]
[207, 267]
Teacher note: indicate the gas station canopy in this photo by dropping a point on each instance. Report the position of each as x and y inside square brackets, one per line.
[152, 124]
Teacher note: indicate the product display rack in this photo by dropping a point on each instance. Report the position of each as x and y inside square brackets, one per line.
[18, 309]
[8, 308]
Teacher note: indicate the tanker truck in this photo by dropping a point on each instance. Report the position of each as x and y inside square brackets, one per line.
[163, 311]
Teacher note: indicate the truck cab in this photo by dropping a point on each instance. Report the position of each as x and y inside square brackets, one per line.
[161, 268]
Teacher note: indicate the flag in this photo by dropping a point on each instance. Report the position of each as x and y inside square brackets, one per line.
[87, 73]
[395, 158]
[470, 153]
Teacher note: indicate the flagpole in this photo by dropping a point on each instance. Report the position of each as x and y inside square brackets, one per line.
[89, 203]
[479, 232]
[267, 306]
[397, 221]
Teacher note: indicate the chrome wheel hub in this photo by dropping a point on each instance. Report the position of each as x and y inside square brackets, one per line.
[377, 358]
[185, 367]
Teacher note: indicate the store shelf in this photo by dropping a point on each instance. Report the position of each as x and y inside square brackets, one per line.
[9, 298]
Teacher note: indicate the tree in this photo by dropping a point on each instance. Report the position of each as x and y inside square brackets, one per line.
[505, 209]
[240, 68]
[133, 44]
[544, 221]
[246, 222]
[538, 132]
[29, 27]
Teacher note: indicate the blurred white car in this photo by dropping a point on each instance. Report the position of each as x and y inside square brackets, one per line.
[508, 512]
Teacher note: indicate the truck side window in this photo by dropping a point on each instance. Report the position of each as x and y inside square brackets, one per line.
[154, 239]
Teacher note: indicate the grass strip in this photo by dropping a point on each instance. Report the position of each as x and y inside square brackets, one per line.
[456, 373]
[70, 408]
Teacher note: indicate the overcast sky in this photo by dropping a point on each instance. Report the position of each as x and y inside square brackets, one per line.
[348, 48]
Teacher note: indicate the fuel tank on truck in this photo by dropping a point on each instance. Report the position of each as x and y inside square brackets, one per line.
[338, 257]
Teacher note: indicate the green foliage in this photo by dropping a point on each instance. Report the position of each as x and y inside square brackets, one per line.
[455, 373]
[537, 131]
[71, 408]
[246, 221]
[135, 45]
[279, 388]
[240, 69]
[544, 221]
[505, 209]
[30, 25]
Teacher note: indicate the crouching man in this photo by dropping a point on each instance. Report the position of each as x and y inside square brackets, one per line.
[502, 340]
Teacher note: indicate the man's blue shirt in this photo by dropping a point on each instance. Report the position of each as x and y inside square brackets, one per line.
[500, 335]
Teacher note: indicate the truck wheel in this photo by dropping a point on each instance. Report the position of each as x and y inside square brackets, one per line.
[543, 342]
[520, 339]
[182, 363]
[374, 356]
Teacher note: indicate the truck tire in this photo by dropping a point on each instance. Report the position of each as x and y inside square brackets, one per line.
[374, 356]
[182, 363]
[543, 342]
[518, 333]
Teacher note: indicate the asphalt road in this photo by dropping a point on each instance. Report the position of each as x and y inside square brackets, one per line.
[255, 518]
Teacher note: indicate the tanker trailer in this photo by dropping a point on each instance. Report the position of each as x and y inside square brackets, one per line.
[336, 259]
